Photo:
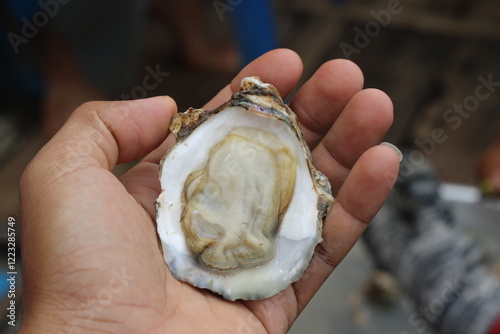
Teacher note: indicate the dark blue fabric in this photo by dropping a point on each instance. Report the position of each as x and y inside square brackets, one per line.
[20, 8]
[255, 28]
[18, 77]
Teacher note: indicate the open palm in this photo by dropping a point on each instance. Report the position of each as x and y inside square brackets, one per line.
[92, 262]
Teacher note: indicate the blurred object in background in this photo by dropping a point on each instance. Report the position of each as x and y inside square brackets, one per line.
[67, 54]
[20, 75]
[196, 48]
[255, 28]
[20, 83]
[489, 169]
[92, 51]
[442, 269]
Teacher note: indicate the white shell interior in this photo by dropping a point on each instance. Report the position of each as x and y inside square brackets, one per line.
[296, 238]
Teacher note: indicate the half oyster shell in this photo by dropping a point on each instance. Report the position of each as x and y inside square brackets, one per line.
[241, 208]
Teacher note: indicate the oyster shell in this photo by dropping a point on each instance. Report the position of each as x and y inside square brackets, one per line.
[242, 206]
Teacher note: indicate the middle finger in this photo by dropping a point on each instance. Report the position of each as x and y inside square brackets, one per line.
[322, 98]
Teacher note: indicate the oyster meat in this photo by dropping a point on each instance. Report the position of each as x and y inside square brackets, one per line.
[242, 206]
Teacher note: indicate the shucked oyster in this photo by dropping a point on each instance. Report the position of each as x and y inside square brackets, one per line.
[241, 206]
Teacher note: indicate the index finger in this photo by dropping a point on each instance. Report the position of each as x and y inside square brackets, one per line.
[281, 67]
[319, 102]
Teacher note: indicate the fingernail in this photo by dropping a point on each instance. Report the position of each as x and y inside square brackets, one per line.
[398, 152]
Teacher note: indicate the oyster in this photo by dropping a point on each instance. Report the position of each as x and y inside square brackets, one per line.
[241, 207]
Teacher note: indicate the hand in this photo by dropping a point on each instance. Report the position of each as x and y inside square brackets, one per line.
[91, 258]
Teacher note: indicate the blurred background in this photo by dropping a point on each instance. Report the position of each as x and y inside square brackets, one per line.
[430, 57]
